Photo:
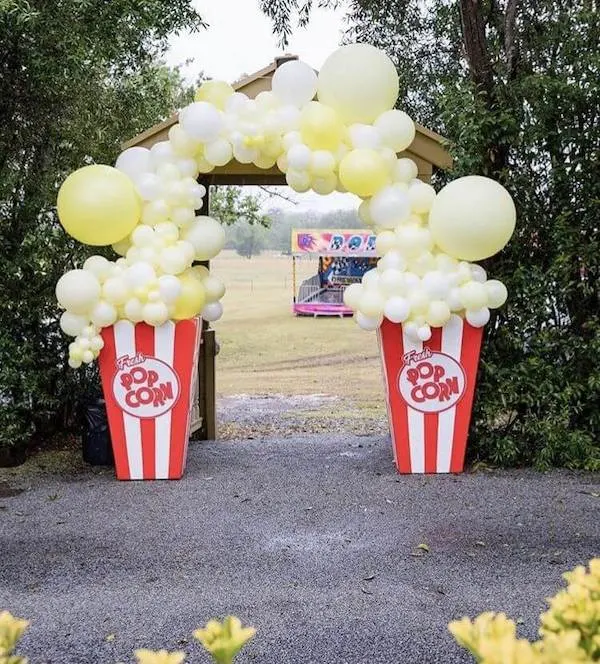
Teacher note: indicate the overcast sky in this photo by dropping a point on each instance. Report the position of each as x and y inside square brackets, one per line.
[239, 40]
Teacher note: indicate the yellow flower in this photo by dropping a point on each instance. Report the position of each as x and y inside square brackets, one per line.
[144, 656]
[11, 630]
[224, 640]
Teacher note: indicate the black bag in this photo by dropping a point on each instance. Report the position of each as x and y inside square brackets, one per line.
[97, 447]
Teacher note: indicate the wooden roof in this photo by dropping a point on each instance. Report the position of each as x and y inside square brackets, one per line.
[427, 149]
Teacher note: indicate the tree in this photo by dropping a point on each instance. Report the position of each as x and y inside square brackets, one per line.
[76, 80]
[514, 87]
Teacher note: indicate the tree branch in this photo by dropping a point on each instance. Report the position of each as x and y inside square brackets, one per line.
[510, 47]
[273, 192]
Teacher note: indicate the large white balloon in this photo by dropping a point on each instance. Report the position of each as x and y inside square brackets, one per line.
[294, 82]
[207, 236]
[134, 162]
[73, 324]
[202, 121]
[396, 129]
[78, 291]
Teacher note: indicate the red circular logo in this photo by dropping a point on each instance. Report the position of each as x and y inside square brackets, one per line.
[431, 382]
[147, 388]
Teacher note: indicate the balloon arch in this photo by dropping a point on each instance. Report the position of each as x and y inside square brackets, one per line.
[335, 131]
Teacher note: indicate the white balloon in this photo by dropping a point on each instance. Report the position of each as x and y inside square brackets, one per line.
[411, 329]
[364, 136]
[397, 309]
[405, 170]
[78, 291]
[182, 216]
[391, 282]
[294, 82]
[202, 121]
[324, 185]
[214, 289]
[187, 167]
[386, 241]
[424, 333]
[207, 236]
[218, 152]
[367, 323]
[134, 310]
[352, 295]
[478, 317]
[99, 266]
[370, 279]
[322, 163]
[396, 129]
[496, 292]
[453, 300]
[389, 207]
[371, 303]
[236, 102]
[421, 196]
[169, 288]
[244, 154]
[393, 259]
[291, 138]
[183, 145]
[478, 273]
[74, 364]
[173, 260]
[115, 290]
[436, 285]
[287, 119]
[142, 236]
[103, 314]
[413, 240]
[96, 343]
[149, 186]
[161, 153]
[72, 324]
[140, 275]
[134, 161]
[212, 312]
[298, 180]
[155, 313]
[299, 157]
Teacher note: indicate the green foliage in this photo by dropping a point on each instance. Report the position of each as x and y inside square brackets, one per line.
[76, 80]
[514, 86]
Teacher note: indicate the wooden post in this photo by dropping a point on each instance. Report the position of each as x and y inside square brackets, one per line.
[207, 429]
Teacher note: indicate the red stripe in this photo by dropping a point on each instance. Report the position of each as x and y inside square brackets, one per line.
[108, 368]
[185, 352]
[431, 419]
[469, 359]
[144, 343]
[393, 353]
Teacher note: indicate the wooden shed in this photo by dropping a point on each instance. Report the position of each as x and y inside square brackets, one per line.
[427, 151]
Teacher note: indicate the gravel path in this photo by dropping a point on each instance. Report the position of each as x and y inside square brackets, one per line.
[313, 539]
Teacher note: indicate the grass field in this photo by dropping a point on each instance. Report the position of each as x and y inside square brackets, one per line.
[265, 349]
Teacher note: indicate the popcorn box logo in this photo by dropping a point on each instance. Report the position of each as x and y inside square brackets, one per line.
[430, 381]
[145, 387]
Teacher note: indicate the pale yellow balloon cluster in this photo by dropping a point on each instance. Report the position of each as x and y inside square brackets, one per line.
[337, 130]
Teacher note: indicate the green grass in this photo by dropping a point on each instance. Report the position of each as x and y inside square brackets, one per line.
[265, 349]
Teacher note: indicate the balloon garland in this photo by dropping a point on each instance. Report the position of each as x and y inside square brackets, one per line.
[346, 140]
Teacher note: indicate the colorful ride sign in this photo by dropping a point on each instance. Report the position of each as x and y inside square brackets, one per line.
[335, 242]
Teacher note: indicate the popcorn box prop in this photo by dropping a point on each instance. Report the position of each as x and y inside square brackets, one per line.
[429, 389]
[147, 375]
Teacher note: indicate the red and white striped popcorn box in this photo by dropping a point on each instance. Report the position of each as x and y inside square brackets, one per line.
[430, 388]
[147, 375]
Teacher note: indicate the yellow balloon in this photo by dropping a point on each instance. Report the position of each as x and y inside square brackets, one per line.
[472, 218]
[320, 127]
[192, 298]
[359, 81]
[98, 205]
[215, 92]
[364, 172]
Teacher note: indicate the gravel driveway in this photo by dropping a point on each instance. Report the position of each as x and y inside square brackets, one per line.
[313, 539]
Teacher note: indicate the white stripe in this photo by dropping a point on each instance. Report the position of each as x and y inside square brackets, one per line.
[193, 380]
[451, 345]
[416, 420]
[386, 385]
[125, 345]
[164, 349]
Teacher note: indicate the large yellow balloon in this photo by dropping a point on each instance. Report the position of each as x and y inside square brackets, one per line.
[215, 92]
[364, 172]
[98, 205]
[191, 299]
[472, 218]
[359, 81]
[320, 127]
